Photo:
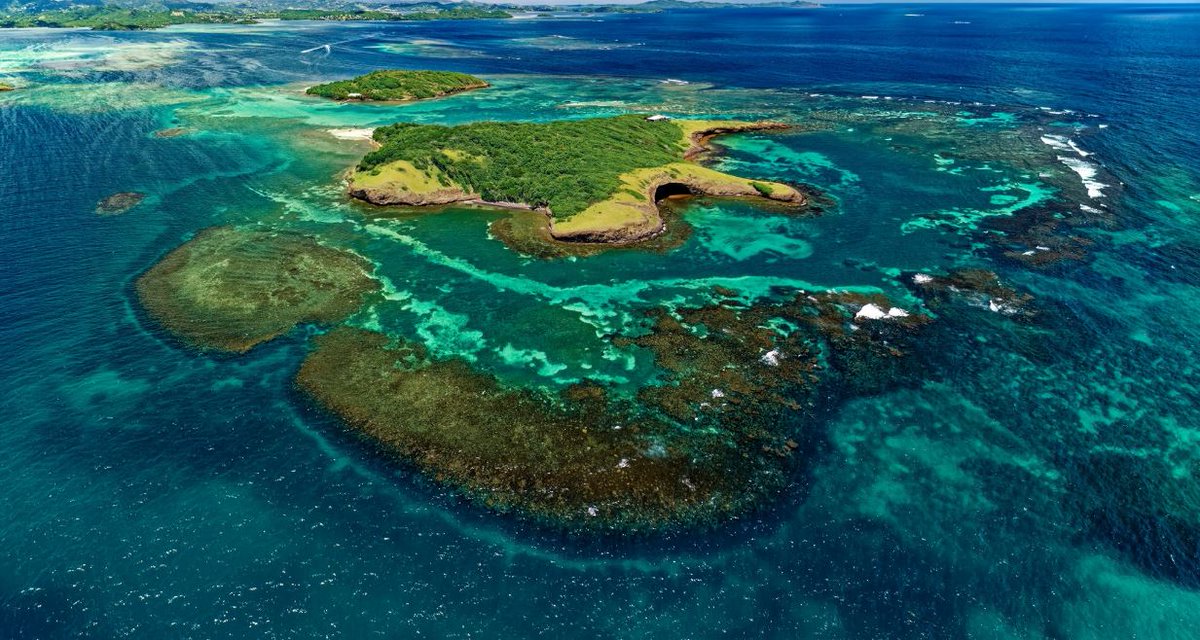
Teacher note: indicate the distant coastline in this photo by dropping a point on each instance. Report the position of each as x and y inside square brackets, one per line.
[119, 17]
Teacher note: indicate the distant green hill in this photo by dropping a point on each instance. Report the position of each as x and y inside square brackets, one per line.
[142, 16]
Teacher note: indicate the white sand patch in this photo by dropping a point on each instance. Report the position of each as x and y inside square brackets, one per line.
[351, 134]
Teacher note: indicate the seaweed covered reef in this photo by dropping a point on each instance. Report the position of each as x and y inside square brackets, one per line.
[230, 289]
[119, 203]
[1057, 191]
[714, 437]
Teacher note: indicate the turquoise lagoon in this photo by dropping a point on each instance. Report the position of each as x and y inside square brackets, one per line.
[1036, 479]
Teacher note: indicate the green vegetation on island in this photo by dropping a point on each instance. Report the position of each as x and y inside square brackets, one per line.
[113, 18]
[398, 85]
[4, 86]
[599, 179]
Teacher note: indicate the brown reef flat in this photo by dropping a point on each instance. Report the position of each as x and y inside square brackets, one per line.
[716, 437]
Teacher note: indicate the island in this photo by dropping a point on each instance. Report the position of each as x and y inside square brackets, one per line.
[598, 180]
[6, 87]
[718, 431]
[398, 85]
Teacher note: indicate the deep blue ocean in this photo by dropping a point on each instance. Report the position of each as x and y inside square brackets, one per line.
[1037, 480]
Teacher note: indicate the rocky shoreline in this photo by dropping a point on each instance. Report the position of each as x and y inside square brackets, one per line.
[640, 219]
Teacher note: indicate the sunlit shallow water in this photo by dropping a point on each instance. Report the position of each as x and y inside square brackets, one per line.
[1038, 480]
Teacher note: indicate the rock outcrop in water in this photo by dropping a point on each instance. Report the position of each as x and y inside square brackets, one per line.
[119, 203]
[173, 132]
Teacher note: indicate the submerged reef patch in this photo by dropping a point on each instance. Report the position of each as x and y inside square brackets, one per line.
[977, 288]
[230, 289]
[119, 203]
[172, 132]
[1040, 216]
[715, 436]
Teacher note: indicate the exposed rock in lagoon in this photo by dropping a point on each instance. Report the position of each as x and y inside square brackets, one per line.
[976, 288]
[230, 289]
[173, 132]
[119, 203]
[598, 180]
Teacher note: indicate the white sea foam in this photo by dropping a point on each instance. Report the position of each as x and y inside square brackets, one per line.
[1058, 143]
[1063, 143]
[1000, 306]
[1087, 172]
[870, 312]
[873, 312]
[922, 278]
